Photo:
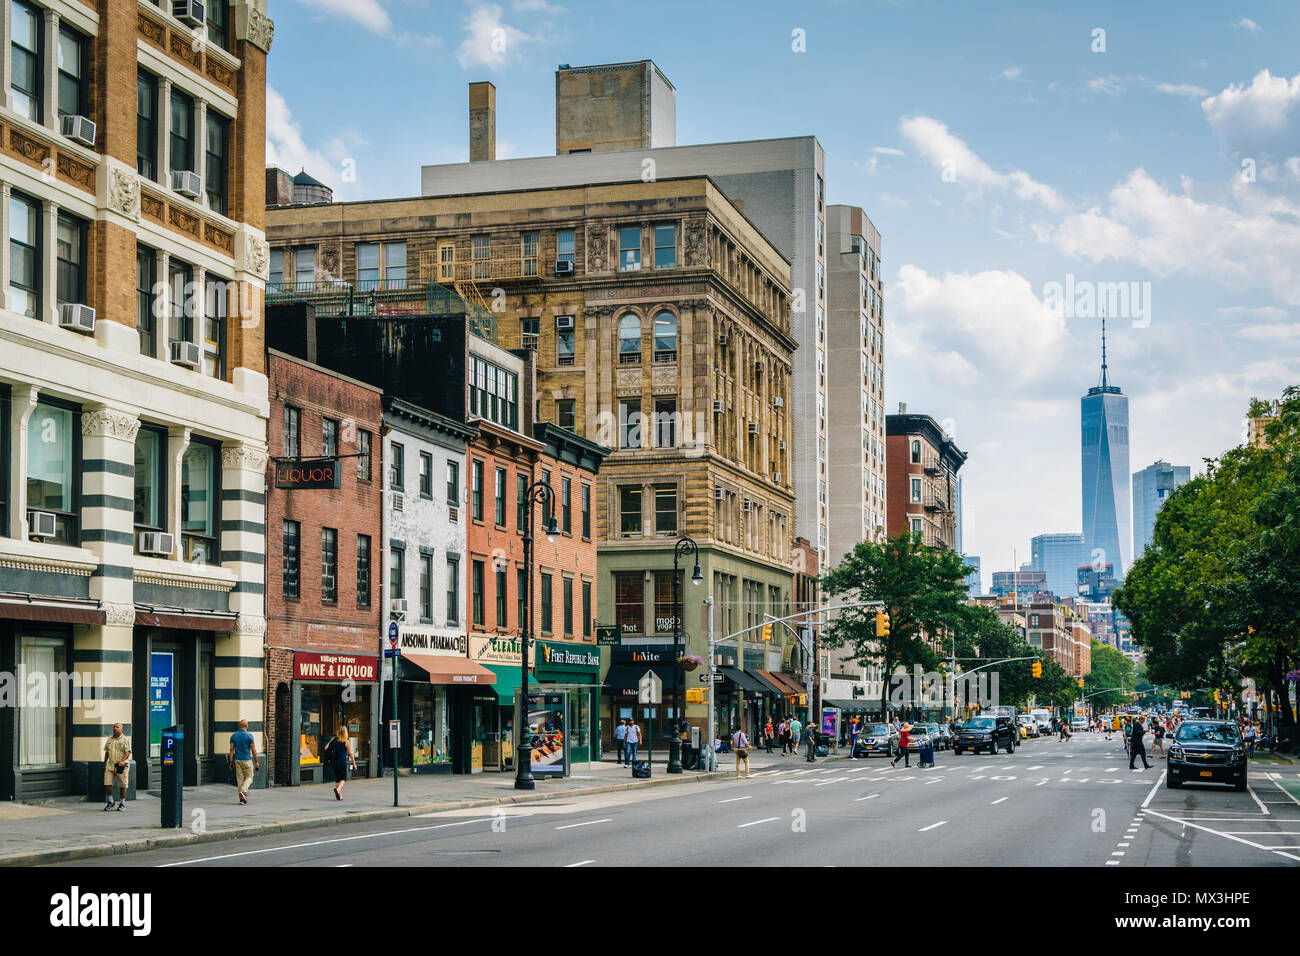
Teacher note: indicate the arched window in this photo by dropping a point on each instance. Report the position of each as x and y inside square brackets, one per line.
[916, 452]
[665, 337]
[629, 340]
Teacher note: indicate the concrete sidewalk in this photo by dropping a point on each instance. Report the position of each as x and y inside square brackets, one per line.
[59, 831]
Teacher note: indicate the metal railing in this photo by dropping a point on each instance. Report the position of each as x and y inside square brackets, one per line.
[386, 297]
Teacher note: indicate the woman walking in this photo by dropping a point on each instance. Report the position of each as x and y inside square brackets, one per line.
[768, 733]
[904, 741]
[338, 753]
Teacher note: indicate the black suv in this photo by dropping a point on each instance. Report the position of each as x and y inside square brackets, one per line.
[987, 732]
[1207, 751]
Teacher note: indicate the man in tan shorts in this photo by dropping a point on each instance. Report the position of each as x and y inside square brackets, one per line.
[117, 765]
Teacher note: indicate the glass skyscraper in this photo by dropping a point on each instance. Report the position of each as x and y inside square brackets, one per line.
[1151, 486]
[1059, 556]
[1107, 515]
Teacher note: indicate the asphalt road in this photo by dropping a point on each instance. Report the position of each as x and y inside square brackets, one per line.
[1051, 803]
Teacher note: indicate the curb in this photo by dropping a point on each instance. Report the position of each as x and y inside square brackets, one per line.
[179, 839]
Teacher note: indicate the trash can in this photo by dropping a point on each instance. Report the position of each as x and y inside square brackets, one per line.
[173, 763]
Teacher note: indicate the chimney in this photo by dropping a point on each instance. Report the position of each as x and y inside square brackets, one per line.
[482, 122]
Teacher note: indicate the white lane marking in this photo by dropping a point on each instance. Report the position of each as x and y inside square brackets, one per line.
[569, 866]
[1251, 791]
[1118, 853]
[1040, 783]
[342, 865]
[932, 826]
[1037, 766]
[1226, 836]
[734, 799]
[822, 783]
[299, 846]
[1112, 862]
[933, 780]
[1154, 787]
[755, 823]
[584, 823]
[1283, 789]
[1111, 769]
[1289, 856]
[998, 800]
[1267, 832]
[1122, 844]
[868, 797]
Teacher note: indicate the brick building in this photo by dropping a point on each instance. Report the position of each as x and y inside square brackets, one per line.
[922, 475]
[132, 389]
[323, 603]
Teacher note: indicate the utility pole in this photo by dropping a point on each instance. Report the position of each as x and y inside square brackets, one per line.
[711, 763]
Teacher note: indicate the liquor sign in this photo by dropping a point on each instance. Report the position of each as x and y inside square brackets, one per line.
[305, 475]
[310, 666]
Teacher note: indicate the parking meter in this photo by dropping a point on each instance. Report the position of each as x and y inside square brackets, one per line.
[173, 776]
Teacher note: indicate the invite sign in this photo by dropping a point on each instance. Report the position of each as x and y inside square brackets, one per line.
[301, 475]
[307, 666]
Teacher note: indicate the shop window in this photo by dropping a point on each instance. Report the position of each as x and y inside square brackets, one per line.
[289, 548]
[53, 467]
[363, 570]
[546, 602]
[329, 565]
[629, 498]
[629, 602]
[200, 504]
[431, 740]
[43, 730]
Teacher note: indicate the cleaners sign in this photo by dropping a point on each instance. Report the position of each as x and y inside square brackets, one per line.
[334, 667]
[303, 475]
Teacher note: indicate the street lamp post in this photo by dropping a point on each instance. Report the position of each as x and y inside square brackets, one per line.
[539, 491]
[685, 545]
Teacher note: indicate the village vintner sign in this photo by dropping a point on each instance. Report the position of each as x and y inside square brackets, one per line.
[307, 666]
[305, 475]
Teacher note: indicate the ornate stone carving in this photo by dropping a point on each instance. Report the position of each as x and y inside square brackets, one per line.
[182, 47]
[244, 457]
[183, 221]
[696, 230]
[329, 261]
[152, 206]
[629, 378]
[261, 30]
[259, 257]
[220, 73]
[150, 28]
[664, 375]
[597, 250]
[78, 172]
[221, 238]
[121, 615]
[109, 423]
[251, 625]
[28, 148]
[124, 193]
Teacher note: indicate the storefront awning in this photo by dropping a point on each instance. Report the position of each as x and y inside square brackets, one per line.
[446, 669]
[788, 686]
[183, 621]
[859, 706]
[508, 681]
[624, 678]
[51, 612]
[743, 680]
[766, 684]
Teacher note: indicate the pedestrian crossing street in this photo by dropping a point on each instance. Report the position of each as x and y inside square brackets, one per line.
[1110, 774]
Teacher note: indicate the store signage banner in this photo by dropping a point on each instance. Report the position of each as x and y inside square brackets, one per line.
[500, 649]
[427, 641]
[306, 475]
[646, 654]
[339, 667]
[568, 655]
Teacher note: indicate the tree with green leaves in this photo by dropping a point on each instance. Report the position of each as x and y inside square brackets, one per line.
[923, 590]
[1110, 668]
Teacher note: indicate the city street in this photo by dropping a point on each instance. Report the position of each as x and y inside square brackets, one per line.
[1052, 803]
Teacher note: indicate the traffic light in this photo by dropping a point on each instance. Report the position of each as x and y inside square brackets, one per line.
[767, 632]
[1081, 683]
[882, 624]
[695, 695]
[1037, 669]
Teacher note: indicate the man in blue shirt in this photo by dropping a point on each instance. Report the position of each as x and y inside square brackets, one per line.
[243, 759]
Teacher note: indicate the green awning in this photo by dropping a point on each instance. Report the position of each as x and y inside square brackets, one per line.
[508, 681]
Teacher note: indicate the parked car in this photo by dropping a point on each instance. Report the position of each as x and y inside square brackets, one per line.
[1207, 751]
[876, 739]
[1028, 725]
[918, 736]
[944, 740]
[987, 732]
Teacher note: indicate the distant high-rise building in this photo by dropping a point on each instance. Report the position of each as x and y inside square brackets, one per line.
[1104, 446]
[1059, 557]
[1024, 584]
[1151, 486]
[974, 584]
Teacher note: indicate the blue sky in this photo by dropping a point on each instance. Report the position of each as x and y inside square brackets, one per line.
[999, 148]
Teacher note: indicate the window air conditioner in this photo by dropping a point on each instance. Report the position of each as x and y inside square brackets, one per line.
[79, 129]
[753, 428]
[156, 542]
[720, 493]
[40, 524]
[189, 12]
[719, 407]
[79, 318]
[187, 183]
[564, 267]
[563, 323]
[185, 353]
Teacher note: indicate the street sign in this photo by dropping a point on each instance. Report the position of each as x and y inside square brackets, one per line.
[607, 635]
[392, 633]
[392, 652]
[650, 689]
[717, 678]
[395, 734]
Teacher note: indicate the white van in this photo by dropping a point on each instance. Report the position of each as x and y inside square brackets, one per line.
[1043, 717]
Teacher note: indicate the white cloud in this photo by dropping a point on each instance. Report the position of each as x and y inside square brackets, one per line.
[1249, 116]
[1247, 24]
[948, 152]
[1011, 73]
[369, 13]
[1257, 247]
[538, 6]
[896, 201]
[1182, 89]
[285, 146]
[1108, 85]
[1253, 312]
[988, 326]
[488, 41]
[888, 151]
[1271, 332]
